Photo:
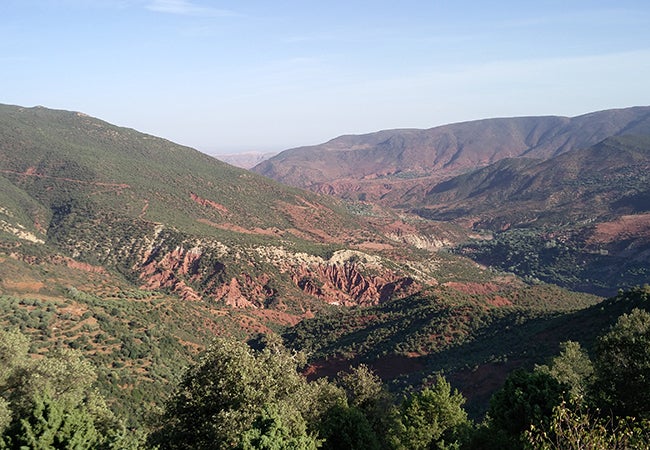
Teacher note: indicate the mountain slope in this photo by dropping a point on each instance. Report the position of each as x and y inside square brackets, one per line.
[164, 215]
[596, 183]
[581, 219]
[169, 218]
[138, 251]
[395, 166]
[406, 341]
[44, 150]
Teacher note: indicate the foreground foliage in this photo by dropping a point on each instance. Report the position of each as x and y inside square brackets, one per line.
[51, 402]
[234, 390]
[424, 418]
[577, 401]
[573, 428]
[236, 397]
[253, 396]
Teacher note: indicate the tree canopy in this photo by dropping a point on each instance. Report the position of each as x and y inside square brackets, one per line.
[622, 365]
[229, 392]
[424, 417]
[51, 402]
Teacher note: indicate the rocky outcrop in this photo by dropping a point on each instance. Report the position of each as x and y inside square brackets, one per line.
[196, 273]
[240, 276]
[345, 284]
[348, 278]
[249, 293]
[168, 272]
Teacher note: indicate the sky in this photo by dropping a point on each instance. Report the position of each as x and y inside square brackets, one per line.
[267, 75]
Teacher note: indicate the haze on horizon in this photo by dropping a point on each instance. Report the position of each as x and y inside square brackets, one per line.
[228, 76]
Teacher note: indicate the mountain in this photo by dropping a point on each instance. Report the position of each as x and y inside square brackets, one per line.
[396, 167]
[245, 160]
[138, 251]
[168, 217]
[562, 200]
[597, 183]
[46, 152]
[580, 219]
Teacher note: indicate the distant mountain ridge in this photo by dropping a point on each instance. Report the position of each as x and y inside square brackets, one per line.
[246, 160]
[580, 219]
[564, 200]
[394, 166]
[597, 183]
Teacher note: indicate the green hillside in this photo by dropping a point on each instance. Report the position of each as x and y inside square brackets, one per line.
[66, 159]
[476, 346]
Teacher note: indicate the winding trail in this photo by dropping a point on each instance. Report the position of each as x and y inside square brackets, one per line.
[31, 173]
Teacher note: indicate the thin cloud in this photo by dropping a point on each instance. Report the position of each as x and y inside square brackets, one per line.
[186, 8]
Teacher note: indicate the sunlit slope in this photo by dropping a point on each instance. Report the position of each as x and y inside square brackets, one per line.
[67, 160]
[395, 167]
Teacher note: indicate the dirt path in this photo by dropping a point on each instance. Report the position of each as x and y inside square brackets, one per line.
[31, 173]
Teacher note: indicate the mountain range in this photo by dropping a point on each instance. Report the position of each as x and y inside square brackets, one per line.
[139, 251]
[398, 166]
[525, 184]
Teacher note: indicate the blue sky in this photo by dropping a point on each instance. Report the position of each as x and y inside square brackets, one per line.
[232, 76]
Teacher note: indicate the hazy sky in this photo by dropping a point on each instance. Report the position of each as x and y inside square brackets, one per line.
[266, 75]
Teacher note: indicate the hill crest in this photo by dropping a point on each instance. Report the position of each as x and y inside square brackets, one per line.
[395, 166]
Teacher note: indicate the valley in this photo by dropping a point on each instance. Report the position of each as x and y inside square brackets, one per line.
[469, 250]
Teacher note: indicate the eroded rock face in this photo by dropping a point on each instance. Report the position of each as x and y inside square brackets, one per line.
[249, 293]
[193, 274]
[348, 278]
[344, 284]
[168, 272]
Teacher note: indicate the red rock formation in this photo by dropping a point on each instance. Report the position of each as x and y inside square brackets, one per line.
[72, 264]
[165, 272]
[182, 271]
[246, 292]
[233, 295]
[179, 268]
[344, 284]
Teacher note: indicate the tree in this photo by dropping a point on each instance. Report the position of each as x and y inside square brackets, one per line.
[53, 424]
[366, 394]
[362, 386]
[572, 368]
[65, 374]
[345, 427]
[526, 398]
[14, 348]
[423, 418]
[269, 433]
[221, 396]
[51, 403]
[571, 428]
[622, 366]
[14, 358]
